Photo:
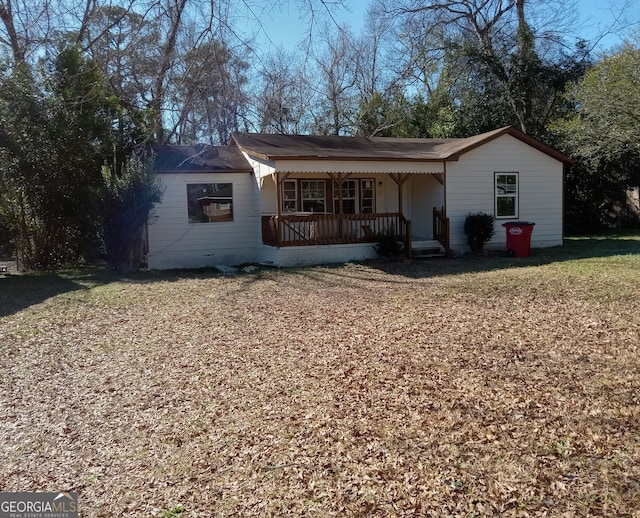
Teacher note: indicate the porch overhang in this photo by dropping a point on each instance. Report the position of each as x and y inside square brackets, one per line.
[360, 166]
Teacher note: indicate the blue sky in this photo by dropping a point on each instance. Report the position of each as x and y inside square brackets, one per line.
[283, 25]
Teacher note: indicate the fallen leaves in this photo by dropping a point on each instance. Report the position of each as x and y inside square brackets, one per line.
[327, 391]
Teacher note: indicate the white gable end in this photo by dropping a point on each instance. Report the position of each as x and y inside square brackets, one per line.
[471, 188]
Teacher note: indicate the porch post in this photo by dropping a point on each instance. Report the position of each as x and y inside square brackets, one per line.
[444, 186]
[401, 179]
[280, 177]
[278, 195]
[339, 178]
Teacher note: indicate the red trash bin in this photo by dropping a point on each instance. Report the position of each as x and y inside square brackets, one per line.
[519, 237]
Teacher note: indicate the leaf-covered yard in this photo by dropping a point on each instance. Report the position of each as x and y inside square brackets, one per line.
[466, 387]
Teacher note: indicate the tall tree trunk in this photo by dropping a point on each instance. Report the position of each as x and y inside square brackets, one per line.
[526, 58]
[6, 15]
[168, 50]
[520, 11]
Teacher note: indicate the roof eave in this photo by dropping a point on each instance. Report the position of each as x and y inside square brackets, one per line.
[347, 158]
[197, 171]
[523, 137]
[540, 146]
[458, 151]
[253, 153]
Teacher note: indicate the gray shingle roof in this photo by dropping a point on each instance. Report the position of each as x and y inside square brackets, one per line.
[290, 147]
[199, 159]
[214, 159]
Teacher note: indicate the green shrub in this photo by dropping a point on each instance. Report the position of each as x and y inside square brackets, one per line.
[129, 197]
[479, 230]
[389, 245]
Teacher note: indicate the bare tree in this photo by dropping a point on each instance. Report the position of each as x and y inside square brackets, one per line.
[209, 98]
[168, 58]
[515, 44]
[373, 56]
[337, 93]
[27, 26]
[284, 96]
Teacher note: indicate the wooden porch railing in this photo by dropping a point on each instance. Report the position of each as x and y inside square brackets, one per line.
[441, 228]
[332, 229]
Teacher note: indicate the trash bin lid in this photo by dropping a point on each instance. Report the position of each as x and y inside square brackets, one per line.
[518, 224]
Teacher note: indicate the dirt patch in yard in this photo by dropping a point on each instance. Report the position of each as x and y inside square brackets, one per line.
[355, 390]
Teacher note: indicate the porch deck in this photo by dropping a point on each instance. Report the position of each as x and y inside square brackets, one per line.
[337, 229]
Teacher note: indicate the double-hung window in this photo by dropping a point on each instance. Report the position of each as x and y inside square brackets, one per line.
[349, 196]
[367, 196]
[314, 195]
[358, 196]
[289, 196]
[506, 190]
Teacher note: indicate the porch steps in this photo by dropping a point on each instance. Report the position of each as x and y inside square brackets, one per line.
[423, 249]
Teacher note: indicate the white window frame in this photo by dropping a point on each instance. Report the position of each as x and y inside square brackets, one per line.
[354, 187]
[289, 196]
[293, 195]
[506, 190]
[361, 197]
[314, 199]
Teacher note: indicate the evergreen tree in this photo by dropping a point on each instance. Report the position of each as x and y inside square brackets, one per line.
[57, 127]
[128, 198]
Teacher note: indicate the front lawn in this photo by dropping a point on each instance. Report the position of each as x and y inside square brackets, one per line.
[464, 387]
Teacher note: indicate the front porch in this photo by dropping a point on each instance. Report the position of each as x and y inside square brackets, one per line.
[312, 229]
[325, 209]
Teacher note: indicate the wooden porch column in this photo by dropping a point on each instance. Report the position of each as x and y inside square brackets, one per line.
[280, 177]
[400, 179]
[444, 186]
[339, 178]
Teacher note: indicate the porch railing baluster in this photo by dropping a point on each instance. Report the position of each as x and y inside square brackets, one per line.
[441, 228]
[325, 229]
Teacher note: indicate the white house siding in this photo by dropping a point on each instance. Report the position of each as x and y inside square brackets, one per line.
[268, 195]
[176, 243]
[470, 188]
[261, 167]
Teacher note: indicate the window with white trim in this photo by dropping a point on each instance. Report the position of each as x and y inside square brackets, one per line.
[506, 189]
[314, 195]
[367, 196]
[289, 196]
[358, 196]
[349, 197]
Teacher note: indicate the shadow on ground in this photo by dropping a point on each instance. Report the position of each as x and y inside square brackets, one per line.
[574, 249]
[19, 291]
